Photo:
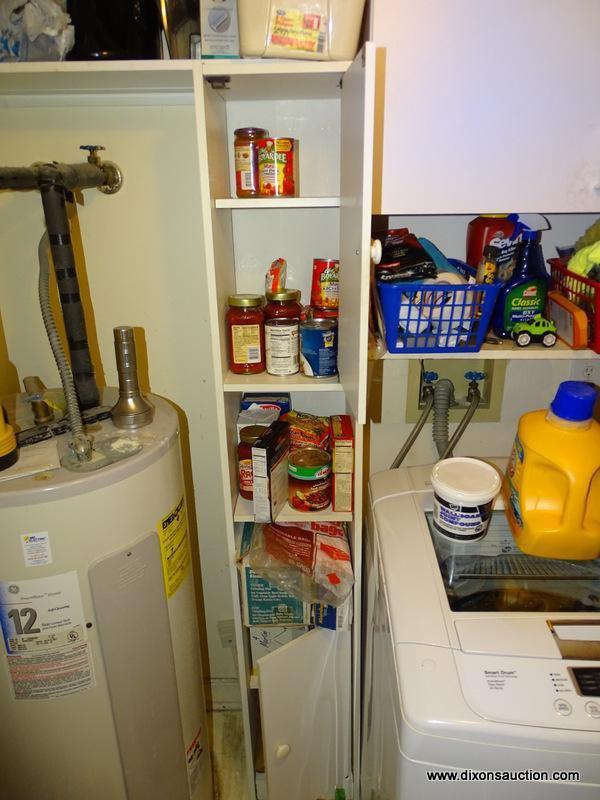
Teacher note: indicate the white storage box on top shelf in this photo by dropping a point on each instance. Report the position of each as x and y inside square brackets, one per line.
[319, 29]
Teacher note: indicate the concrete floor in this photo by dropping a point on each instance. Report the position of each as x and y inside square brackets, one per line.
[229, 768]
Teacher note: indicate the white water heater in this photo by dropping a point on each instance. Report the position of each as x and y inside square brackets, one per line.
[101, 694]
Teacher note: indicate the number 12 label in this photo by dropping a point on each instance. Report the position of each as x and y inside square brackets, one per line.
[41, 614]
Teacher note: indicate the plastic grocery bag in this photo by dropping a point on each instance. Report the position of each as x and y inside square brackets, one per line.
[310, 560]
[35, 30]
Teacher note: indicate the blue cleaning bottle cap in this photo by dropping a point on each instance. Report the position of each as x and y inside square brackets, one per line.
[574, 401]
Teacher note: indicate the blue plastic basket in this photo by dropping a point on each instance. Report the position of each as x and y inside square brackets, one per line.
[436, 318]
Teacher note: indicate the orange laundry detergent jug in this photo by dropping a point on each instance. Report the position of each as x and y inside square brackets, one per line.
[552, 484]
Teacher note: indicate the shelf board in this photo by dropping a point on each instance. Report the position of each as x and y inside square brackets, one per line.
[244, 512]
[93, 78]
[275, 79]
[271, 66]
[291, 383]
[507, 350]
[277, 202]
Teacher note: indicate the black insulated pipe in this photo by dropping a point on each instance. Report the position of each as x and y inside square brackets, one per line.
[69, 176]
[59, 234]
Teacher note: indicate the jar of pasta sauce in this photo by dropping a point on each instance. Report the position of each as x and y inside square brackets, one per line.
[283, 304]
[248, 436]
[245, 323]
[309, 479]
[245, 148]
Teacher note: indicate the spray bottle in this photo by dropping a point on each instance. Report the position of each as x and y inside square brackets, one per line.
[523, 296]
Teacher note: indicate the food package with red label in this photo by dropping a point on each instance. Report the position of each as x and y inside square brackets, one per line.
[342, 449]
[310, 560]
[307, 430]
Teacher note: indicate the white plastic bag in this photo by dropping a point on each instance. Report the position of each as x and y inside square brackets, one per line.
[310, 560]
[34, 30]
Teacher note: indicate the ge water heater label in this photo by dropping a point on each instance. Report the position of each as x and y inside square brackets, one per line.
[44, 637]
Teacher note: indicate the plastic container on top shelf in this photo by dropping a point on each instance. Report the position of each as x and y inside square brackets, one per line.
[582, 291]
[321, 30]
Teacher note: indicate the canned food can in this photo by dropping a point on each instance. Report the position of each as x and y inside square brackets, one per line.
[325, 283]
[318, 348]
[309, 479]
[282, 346]
[277, 167]
[324, 313]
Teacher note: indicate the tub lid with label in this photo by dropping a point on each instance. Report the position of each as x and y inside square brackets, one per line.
[465, 481]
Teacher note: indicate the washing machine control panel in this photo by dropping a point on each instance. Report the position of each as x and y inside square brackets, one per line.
[587, 680]
[531, 691]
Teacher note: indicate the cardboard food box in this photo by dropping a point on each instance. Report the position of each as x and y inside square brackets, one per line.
[342, 450]
[270, 471]
[280, 401]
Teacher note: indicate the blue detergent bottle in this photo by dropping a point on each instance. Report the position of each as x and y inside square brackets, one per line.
[524, 293]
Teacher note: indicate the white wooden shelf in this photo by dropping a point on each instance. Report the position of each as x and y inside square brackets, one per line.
[260, 79]
[244, 512]
[271, 66]
[277, 202]
[77, 78]
[291, 383]
[507, 350]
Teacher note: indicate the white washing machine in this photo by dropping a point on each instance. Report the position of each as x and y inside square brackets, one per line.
[478, 659]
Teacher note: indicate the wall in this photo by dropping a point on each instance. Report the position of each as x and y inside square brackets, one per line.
[528, 384]
[143, 265]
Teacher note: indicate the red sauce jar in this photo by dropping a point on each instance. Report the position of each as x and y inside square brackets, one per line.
[248, 436]
[283, 304]
[245, 323]
[245, 146]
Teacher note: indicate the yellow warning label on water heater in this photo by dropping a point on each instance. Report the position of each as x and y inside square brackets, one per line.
[174, 547]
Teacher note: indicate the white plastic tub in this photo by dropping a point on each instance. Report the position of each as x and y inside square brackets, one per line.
[320, 30]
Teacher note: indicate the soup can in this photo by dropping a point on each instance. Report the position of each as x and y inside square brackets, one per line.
[318, 348]
[281, 346]
[325, 283]
[309, 479]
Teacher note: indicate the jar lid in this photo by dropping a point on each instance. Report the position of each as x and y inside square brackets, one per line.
[465, 481]
[251, 132]
[251, 433]
[245, 300]
[284, 294]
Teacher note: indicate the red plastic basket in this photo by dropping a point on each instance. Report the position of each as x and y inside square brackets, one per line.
[584, 292]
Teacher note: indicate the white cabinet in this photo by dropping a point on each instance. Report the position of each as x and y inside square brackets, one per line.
[308, 701]
[488, 108]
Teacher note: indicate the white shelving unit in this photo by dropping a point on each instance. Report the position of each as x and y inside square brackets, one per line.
[308, 691]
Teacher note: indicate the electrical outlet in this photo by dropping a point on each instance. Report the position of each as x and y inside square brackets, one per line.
[226, 632]
[586, 370]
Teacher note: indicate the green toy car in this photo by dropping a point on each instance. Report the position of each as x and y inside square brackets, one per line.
[539, 329]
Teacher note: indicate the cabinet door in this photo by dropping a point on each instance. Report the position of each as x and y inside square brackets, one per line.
[305, 714]
[489, 107]
[357, 118]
